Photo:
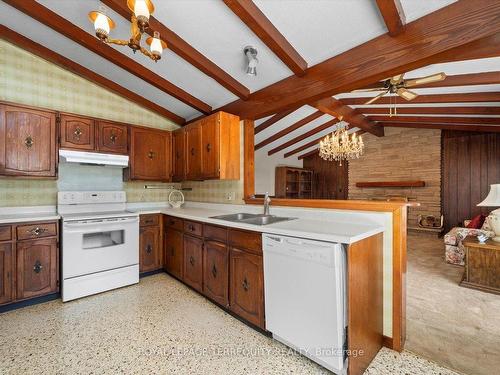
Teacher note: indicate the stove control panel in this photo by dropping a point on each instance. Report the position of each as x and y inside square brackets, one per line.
[89, 197]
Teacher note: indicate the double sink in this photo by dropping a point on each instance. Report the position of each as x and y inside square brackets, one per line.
[256, 219]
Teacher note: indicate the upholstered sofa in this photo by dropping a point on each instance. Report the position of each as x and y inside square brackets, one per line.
[454, 250]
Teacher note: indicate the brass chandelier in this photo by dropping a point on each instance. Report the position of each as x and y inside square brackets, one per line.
[341, 145]
[141, 11]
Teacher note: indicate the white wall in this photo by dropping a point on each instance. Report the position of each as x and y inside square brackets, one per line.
[265, 166]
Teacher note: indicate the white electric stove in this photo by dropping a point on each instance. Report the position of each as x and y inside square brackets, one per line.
[100, 242]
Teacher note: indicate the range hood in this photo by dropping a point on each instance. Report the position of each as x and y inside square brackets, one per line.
[93, 158]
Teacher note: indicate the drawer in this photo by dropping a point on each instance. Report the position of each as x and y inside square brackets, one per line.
[214, 232]
[174, 223]
[149, 219]
[40, 230]
[5, 233]
[246, 240]
[194, 228]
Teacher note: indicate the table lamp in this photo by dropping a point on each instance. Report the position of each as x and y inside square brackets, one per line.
[493, 200]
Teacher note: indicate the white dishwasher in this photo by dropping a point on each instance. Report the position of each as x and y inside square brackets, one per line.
[305, 297]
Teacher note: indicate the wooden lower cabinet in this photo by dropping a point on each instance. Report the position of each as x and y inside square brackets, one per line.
[6, 273]
[216, 272]
[174, 252]
[193, 262]
[37, 267]
[149, 245]
[247, 286]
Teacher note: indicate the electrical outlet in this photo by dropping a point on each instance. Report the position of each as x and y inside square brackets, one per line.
[230, 196]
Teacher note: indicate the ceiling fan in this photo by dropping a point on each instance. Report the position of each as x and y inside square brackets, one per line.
[398, 85]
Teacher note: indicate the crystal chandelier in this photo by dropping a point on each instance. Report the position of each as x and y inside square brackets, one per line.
[341, 145]
[141, 11]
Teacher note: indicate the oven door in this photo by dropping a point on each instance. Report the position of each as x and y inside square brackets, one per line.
[90, 246]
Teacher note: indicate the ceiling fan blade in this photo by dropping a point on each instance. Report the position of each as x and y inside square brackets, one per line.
[375, 98]
[371, 89]
[406, 94]
[422, 80]
[397, 79]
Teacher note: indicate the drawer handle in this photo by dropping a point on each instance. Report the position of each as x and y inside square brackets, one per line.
[113, 138]
[37, 231]
[151, 154]
[214, 271]
[245, 284]
[191, 260]
[77, 133]
[172, 222]
[191, 227]
[192, 151]
[209, 147]
[29, 141]
[37, 267]
[149, 249]
[149, 221]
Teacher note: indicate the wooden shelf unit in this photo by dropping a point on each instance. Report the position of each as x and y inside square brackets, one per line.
[390, 184]
[295, 183]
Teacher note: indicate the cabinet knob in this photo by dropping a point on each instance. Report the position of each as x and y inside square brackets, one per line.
[151, 154]
[113, 138]
[149, 249]
[214, 271]
[37, 268]
[245, 284]
[191, 227]
[172, 222]
[29, 141]
[209, 147]
[37, 231]
[191, 260]
[77, 133]
[192, 151]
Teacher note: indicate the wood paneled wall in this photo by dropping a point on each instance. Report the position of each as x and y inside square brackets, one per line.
[330, 179]
[471, 163]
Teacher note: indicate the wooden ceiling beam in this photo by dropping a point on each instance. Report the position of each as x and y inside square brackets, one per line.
[67, 64]
[303, 136]
[308, 153]
[437, 37]
[253, 17]
[313, 116]
[272, 120]
[460, 127]
[483, 110]
[47, 17]
[354, 117]
[472, 97]
[393, 15]
[438, 120]
[184, 50]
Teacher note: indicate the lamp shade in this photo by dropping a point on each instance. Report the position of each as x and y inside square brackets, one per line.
[493, 198]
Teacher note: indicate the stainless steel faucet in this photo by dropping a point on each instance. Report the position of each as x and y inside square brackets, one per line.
[267, 203]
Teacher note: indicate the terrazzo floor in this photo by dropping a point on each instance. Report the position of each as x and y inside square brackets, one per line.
[454, 326]
[156, 327]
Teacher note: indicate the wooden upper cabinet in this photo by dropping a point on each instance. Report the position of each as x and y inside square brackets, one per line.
[27, 142]
[77, 133]
[150, 155]
[112, 138]
[210, 138]
[193, 151]
[178, 155]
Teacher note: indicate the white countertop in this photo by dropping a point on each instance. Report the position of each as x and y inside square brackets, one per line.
[322, 230]
[12, 215]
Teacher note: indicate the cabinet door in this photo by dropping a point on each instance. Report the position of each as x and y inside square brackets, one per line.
[27, 142]
[174, 253]
[77, 133]
[246, 286]
[210, 147]
[149, 241]
[193, 265]
[37, 268]
[150, 155]
[193, 151]
[178, 155]
[6, 268]
[112, 138]
[216, 272]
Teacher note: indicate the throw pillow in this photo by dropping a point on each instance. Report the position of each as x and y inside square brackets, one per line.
[477, 221]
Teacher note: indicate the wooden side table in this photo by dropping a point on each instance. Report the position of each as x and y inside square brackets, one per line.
[482, 265]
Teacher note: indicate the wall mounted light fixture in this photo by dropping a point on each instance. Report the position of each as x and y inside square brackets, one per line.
[251, 55]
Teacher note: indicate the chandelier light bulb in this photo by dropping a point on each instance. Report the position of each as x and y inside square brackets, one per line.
[141, 9]
[102, 23]
[156, 47]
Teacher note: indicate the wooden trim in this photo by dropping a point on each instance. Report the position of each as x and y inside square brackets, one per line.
[398, 184]
[393, 15]
[303, 136]
[462, 127]
[439, 119]
[426, 40]
[354, 117]
[472, 97]
[272, 120]
[309, 153]
[313, 116]
[387, 342]
[253, 17]
[249, 159]
[47, 17]
[61, 61]
[184, 50]
[430, 111]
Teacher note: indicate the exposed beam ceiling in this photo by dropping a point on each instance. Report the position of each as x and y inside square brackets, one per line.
[315, 150]
[185, 50]
[313, 116]
[338, 109]
[393, 15]
[304, 147]
[430, 39]
[303, 136]
[460, 127]
[253, 17]
[308, 153]
[473, 97]
[438, 120]
[65, 63]
[486, 110]
[272, 120]
[66, 28]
